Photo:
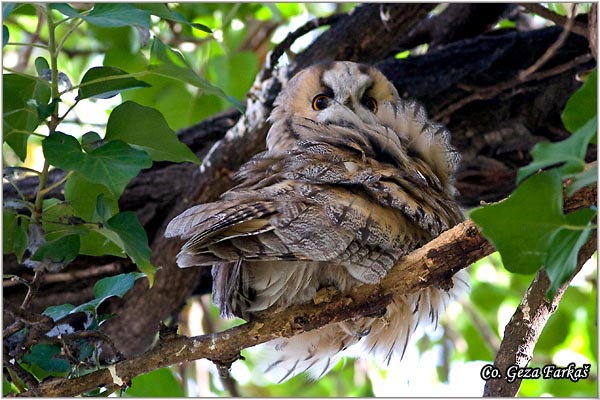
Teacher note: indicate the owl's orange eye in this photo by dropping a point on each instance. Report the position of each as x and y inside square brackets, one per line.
[370, 103]
[320, 102]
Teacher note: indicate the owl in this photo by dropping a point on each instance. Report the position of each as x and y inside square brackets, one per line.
[352, 179]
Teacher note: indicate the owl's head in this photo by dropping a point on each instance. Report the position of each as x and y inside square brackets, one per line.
[342, 103]
[336, 91]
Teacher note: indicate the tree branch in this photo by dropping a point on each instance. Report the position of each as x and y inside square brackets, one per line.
[432, 264]
[525, 327]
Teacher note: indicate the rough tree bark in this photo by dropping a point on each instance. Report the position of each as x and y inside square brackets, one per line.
[494, 136]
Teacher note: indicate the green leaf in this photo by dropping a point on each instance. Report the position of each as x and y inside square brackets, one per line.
[8, 387]
[118, 14]
[90, 140]
[14, 238]
[58, 312]
[47, 358]
[523, 226]
[20, 96]
[583, 105]
[58, 219]
[113, 164]
[7, 9]
[171, 64]
[135, 241]
[82, 194]
[110, 15]
[65, 9]
[116, 285]
[106, 288]
[569, 153]
[158, 383]
[5, 35]
[161, 10]
[45, 110]
[108, 87]
[146, 127]
[62, 250]
[95, 243]
[583, 179]
[41, 65]
[561, 261]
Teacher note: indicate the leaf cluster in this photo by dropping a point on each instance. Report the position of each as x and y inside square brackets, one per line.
[530, 229]
[47, 233]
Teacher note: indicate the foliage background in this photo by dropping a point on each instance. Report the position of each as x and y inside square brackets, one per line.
[443, 363]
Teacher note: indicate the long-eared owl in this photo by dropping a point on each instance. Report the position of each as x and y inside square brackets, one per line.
[353, 178]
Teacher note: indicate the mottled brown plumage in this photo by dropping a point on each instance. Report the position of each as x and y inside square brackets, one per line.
[352, 179]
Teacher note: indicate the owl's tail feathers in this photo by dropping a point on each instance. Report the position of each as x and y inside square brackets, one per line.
[316, 352]
[390, 334]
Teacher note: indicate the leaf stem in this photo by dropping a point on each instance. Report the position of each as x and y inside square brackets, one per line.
[57, 183]
[110, 78]
[54, 121]
[41, 46]
[17, 72]
[67, 34]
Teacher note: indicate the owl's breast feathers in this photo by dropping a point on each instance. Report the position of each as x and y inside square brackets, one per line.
[327, 199]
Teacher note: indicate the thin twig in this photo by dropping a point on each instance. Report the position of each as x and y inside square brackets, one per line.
[536, 8]
[27, 50]
[487, 334]
[291, 38]
[489, 92]
[526, 75]
[554, 47]
[38, 277]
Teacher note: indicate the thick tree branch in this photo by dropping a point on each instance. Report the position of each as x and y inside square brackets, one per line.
[458, 21]
[432, 264]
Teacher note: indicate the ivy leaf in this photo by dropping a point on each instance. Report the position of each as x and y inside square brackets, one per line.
[583, 179]
[569, 153]
[168, 63]
[561, 261]
[82, 193]
[109, 287]
[20, 97]
[107, 88]
[90, 140]
[5, 35]
[135, 241]
[7, 9]
[583, 105]
[523, 226]
[161, 10]
[118, 14]
[41, 65]
[94, 243]
[58, 219]
[65, 9]
[58, 312]
[62, 250]
[46, 360]
[116, 285]
[158, 383]
[147, 128]
[14, 238]
[113, 164]
[109, 15]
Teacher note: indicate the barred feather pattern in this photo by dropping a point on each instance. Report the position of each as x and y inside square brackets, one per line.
[348, 184]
